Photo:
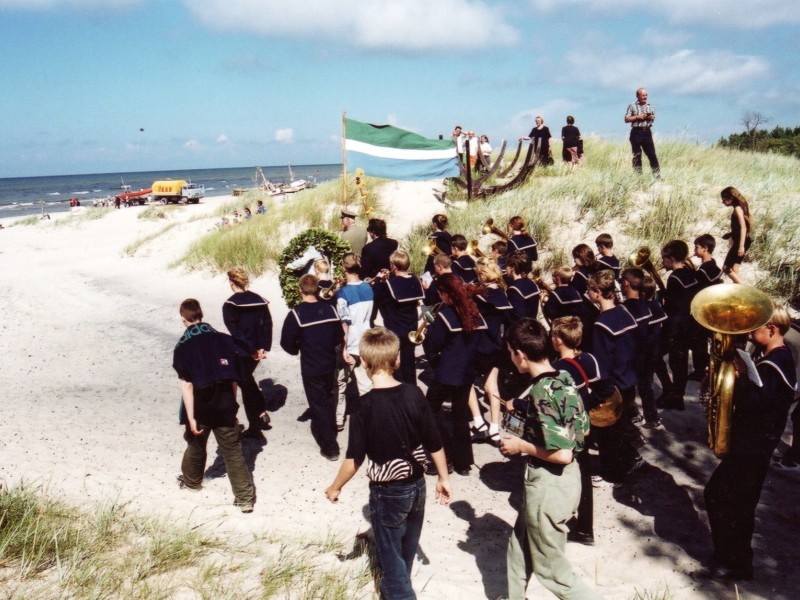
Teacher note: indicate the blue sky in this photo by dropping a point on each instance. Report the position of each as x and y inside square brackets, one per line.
[226, 83]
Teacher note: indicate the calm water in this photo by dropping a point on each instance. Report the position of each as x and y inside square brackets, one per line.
[22, 196]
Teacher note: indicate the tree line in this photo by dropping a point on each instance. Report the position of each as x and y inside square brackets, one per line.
[754, 138]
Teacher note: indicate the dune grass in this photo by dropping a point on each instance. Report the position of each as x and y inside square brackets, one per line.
[52, 549]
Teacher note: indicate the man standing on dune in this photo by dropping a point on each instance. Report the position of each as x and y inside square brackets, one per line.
[641, 115]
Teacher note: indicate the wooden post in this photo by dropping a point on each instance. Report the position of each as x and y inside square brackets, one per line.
[469, 170]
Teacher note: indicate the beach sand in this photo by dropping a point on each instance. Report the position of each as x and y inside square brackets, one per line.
[90, 405]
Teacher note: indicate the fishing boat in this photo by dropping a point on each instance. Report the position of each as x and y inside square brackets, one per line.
[128, 196]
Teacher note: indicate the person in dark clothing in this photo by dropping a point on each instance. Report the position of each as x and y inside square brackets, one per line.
[375, 255]
[739, 235]
[605, 251]
[565, 300]
[441, 238]
[520, 239]
[398, 297]
[759, 418]
[571, 137]
[392, 429]
[313, 330]
[708, 274]
[641, 116]
[247, 317]
[205, 361]
[463, 264]
[681, 289]
[540, 139]
[523, 293]
[452, 344]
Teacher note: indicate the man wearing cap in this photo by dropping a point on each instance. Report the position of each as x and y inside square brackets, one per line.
[353, 232]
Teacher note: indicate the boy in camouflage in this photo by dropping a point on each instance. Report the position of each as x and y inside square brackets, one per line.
[555, 426]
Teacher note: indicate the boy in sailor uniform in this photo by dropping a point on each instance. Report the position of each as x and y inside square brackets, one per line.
[523, 293]
[759, 418]
[605, 251]
[313, 330]
[708, 274]
[614, 345]
[681, 289]
[397, 298]
[463, 264]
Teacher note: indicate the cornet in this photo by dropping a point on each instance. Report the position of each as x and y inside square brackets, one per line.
[329, 292]
[418, 336]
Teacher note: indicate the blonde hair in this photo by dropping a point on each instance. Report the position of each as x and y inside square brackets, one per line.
[781, 319]
[400, 260]
[322, 266]
[379, 349]
[488, 272]
[238, 277]
[569, 330]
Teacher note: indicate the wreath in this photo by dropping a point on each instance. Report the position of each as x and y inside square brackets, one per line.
[326, 242]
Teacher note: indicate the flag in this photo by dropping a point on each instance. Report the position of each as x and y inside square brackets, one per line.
[392, 153]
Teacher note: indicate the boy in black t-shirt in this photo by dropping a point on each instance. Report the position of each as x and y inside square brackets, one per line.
[393, 427]
[206, 363]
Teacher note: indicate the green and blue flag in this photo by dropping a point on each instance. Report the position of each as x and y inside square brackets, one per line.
[393, 153]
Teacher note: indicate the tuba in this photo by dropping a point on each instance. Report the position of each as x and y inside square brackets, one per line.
[417, 336]
[489, 227]
[727, 310]
[642, 260]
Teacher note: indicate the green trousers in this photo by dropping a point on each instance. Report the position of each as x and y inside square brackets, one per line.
[229, 441]
[540, 535]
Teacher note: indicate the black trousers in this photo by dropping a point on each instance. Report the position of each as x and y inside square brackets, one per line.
[731, 495]
[681, 338]
[642, 141]
[453, 427]
[252, 398]
[321, 393]
[408, 367]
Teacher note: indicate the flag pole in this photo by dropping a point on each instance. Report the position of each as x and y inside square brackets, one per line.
[344, 160]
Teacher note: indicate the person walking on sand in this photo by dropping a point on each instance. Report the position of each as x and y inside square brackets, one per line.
[641, 116]
[205, 361]
[739, 235]
[247, 317]
[393, 428]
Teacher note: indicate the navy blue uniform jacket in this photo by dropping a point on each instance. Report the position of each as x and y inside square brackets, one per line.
[313, 330]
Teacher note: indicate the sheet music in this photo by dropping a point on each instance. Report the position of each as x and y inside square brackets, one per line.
[752, 372]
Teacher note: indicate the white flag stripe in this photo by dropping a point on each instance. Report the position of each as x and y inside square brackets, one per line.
[398, 153]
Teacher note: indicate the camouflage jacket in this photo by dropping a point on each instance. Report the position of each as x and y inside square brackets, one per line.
[555, 418]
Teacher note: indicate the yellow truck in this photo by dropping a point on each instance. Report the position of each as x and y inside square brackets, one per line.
[176, 190]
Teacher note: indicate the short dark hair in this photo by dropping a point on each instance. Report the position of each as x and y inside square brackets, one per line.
[604, 240]
[377, 226]
[459, 242]
[191, 311]
[309, 284]
[585, 254]
[603, 283]
[519, 261]
[635, 277]
[706, 241]
[500, 246]
[676, 250]
[570, 120]
[530, 337]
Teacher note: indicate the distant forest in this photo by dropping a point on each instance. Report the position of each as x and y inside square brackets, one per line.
[782, 140]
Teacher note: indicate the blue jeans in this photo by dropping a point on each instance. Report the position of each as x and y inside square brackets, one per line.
[397, 511]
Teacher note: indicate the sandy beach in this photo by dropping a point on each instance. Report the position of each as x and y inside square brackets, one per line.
[90, 409]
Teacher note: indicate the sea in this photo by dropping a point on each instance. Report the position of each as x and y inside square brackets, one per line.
[24, 196]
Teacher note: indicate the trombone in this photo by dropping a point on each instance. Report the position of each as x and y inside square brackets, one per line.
[418, 336]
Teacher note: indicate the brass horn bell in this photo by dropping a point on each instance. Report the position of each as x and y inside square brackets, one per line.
[727, 310]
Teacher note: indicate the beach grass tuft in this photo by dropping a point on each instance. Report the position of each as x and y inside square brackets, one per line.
[134, 246]
[52, 549]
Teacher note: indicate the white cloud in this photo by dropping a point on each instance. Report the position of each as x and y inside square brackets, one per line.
[285, 135]
[685, 72]
[411, 25]
[193, 145]
[552, 111]
[658, 38]
[752, 14]
[222, 139]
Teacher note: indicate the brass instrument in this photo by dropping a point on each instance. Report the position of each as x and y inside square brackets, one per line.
[382, 274]
[642, 260]
[726, 309]
[418, 336]
[474, 250]
[329, 292]
[489, 227]
[538, 279]
[432, 249]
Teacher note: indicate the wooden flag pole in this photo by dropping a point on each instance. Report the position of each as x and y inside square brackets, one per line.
[344, 160]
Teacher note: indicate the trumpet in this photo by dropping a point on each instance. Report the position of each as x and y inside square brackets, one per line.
[642, 260]
[489, 227]
[382, 274]
[329, 292]
[417, 336]
[726, 310]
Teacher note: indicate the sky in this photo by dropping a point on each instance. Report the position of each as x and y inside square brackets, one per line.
[95, 86]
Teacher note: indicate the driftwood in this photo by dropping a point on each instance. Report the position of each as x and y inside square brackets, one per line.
[475, 188]
[513, 162]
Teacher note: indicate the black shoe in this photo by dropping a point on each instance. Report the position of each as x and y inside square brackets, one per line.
[332, 456]
[306, 416]
[464, 471]
[587, 539]
[696, 376]
[254, 434]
